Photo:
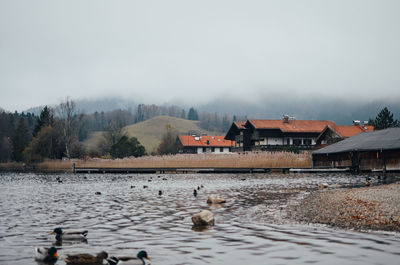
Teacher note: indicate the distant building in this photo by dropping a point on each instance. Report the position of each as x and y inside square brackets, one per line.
[378, 150]
[194, 144]
[271, 135]
[235, 133]
[335, 133]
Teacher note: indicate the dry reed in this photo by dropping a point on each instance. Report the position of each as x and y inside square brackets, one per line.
[233, 160]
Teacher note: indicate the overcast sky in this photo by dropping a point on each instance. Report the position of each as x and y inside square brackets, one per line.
[194, 51]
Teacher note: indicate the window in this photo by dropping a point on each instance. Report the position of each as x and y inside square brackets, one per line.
[204, 149]
[213, 149]
[288, 141]
[307, 141]
[221, 149]
[296, 141]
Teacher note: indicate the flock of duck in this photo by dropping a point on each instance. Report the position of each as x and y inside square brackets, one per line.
[50, 255]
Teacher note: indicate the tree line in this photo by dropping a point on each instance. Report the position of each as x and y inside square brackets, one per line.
[58, 132]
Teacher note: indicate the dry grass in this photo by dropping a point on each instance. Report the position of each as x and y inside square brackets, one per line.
[234, 160]
[11, 166]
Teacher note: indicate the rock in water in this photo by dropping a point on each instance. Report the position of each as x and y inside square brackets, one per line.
[323, 185]
[215, 199]
[203, 218]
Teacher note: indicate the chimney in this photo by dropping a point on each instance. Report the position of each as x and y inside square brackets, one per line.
[285, 119]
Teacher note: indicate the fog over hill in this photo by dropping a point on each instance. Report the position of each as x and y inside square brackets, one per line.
[314, 108]
[273, 107]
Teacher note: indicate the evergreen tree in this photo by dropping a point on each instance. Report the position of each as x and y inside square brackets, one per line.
[46, 119]
[139, 113]
[127, 147]
[20, 140]
[192, 115]
[384, 120]
[183, 114]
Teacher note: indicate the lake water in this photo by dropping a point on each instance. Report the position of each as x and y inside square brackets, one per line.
[249, 229]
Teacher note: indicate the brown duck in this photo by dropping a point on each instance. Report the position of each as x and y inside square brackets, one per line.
[86, 259]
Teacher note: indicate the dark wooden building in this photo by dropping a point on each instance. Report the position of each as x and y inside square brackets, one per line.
[236, 133]
[372, 151]
[271, 135]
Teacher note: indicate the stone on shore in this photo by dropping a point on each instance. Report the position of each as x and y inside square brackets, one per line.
[323, 185]
[203, 218]
[375, 208]
[215, 199]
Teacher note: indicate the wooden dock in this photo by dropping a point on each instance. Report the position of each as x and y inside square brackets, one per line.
[178, 170]
[206, 170]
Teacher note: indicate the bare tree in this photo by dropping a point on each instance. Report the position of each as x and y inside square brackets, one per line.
[69, 123]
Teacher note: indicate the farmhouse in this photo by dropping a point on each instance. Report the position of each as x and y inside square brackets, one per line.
[271, 135]
[372, 151]
[235, 133]
[194, 144]
[335, 133]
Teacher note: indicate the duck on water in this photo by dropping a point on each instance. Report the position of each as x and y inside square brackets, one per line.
[46, 255]
[130, 260]
[69, 234]
[86, 259]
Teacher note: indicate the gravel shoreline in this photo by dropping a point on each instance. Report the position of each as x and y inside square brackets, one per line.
[367, 208]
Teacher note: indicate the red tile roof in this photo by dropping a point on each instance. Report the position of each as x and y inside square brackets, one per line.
[297, 126]
[350, 130]
[240, 124]
[205, 141]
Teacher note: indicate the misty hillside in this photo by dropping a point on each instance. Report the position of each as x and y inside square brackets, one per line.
[338, 110]
[150, 132]
[88, 106]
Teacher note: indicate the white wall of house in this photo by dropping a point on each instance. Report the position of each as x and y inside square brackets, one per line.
[217, 150]
[274, 141]
[280, 141]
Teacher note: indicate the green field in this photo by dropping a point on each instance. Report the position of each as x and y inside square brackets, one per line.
[150, 132]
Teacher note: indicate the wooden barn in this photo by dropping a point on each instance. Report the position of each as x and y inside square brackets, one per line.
[193, 144]
[371, 151]
[335, 133]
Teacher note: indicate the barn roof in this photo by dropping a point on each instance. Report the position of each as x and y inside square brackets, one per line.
[205, 141]
[369, 141]
[240, 124]
[346, 131]
[297, 126]
[349, 130]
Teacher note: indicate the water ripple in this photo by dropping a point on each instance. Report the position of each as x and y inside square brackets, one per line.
[250, 227]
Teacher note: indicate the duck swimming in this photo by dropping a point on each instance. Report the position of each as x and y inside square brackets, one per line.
[130, 260]
[47, 255]
[86, 259]
[69, 234]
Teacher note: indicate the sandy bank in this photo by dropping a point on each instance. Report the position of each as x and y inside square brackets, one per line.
[376, 208]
